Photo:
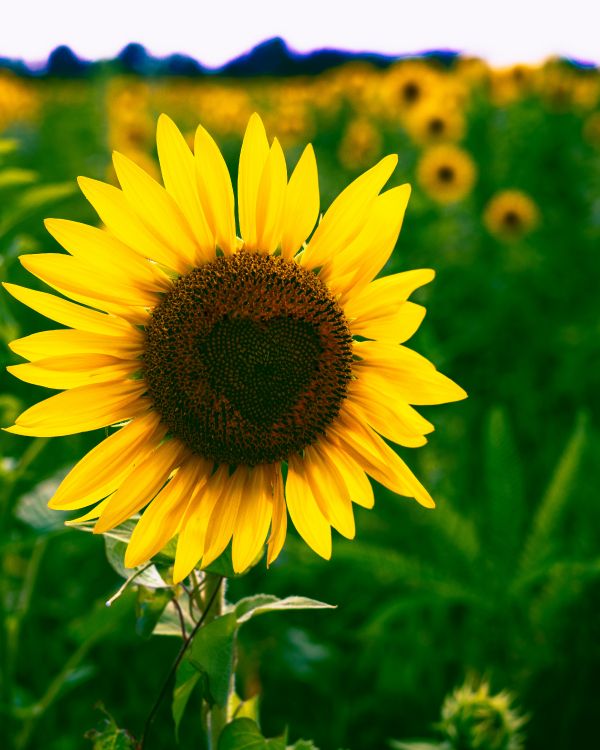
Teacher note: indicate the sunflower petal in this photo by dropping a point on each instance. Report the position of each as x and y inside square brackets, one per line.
[215, 190]
[270, 200]
[330, 492]
[116, 212]
[179, 175]
[279, 519]
[77, 276]
[69, 342]
[222, 519]
[357, 483]
[161, 519]
[68, 313]
[304, 510]
[141, 485]
[301, 209]
[71, 372]
[81, 409]
[193, 528]
[253, 519]
[347, 214]
[253, 156]
[98, 248]
[101, 471]
[156, 208]
[395, 326]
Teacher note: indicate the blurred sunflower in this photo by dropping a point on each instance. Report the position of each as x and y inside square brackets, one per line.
[510, 215]
[251, 374]
[360, 145]
[446, 173]
[435, 121]
[409, 83]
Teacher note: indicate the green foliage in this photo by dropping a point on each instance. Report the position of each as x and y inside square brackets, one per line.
[244, 734]
[108, 736]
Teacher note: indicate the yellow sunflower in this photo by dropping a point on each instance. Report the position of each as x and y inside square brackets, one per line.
[435, 121]
[248, 376]
[446, 173]
[510, 215]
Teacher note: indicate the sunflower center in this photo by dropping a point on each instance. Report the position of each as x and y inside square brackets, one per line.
[436, 126]
[445, 174]
[411, 91]
[248, 359]
[512, 219]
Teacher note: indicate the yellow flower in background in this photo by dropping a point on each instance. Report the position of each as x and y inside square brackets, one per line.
[446, 173]
[18, 101]
[510, 215]
[508, 85]
[248, 376]
[435, 121]
[409, 83]
[360, 145]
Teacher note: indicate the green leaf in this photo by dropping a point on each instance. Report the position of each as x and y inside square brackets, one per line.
[169, 622]
[211, 653]
[186, 679]
[149, 607]
[504, 490]
[33, 200]
[32, 508]
[142, 575]
[244, 734]
[108, 736]
[260, 604]
[546, 522]
[303, 745]
[10, 178]
[8, 146]
[418, 745]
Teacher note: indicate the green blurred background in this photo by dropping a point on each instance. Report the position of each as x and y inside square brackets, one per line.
[502, 580]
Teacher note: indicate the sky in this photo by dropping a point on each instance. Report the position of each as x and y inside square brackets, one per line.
[502, 32]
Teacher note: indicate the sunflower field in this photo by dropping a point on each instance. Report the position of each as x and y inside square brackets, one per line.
[472, 626]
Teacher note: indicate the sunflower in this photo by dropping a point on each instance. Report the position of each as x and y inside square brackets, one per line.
[435, 121]
[248, 376]
[510, 215]
[446, 173]
[360, 145]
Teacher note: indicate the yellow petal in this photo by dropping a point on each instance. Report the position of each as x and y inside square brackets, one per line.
[81, 409]
[192, 532]
[388, 291]
[70, 342]
[395, 326]
[301, 208]
[330, 492]
[386, 417]
[356, 481]
[79, 277]
[222, 519]
[270, 200]
[215, 190]
[141, 485]
[116, 212]
[161, 519]
[71, 372]
[156, 208]
[91, 515]
[347, 214]
[253, 155]
[101, 471]
[304, 510]
[376, 457]
[97, 248]
[279, 520]
[377, 239]
[253, 519]
[67, 313]
[179, 174]
[415, 379]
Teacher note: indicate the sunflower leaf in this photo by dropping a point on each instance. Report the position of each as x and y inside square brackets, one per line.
[142, 575]
[259, 604]
[150, 605]
[186, 679]
[211, 653]
[244, 734]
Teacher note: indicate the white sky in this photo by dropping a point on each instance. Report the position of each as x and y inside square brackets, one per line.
[215, 31]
